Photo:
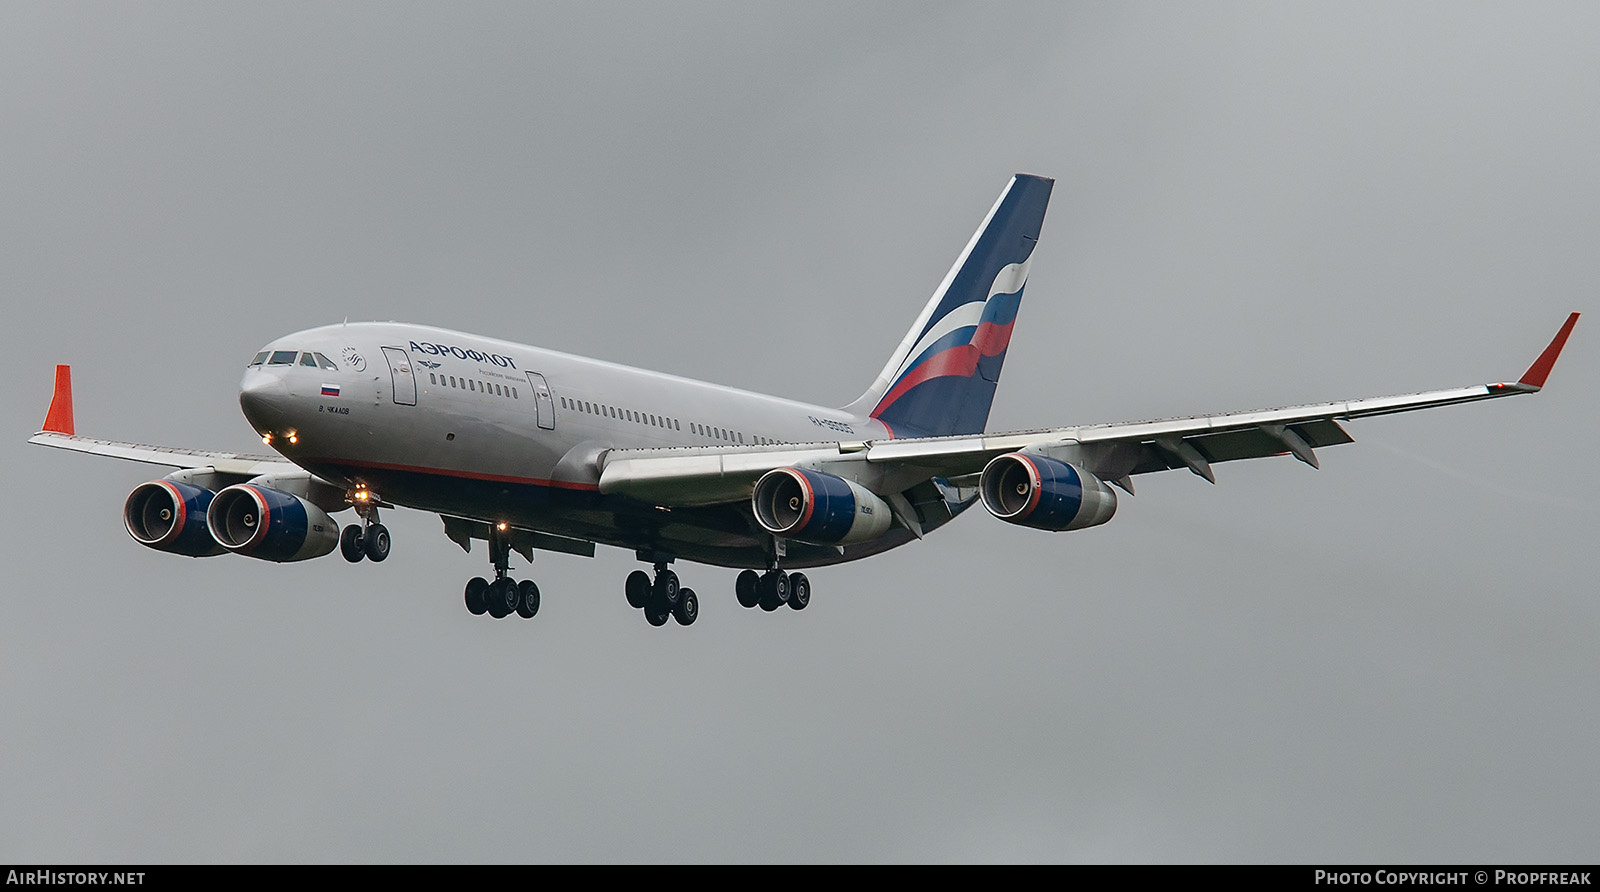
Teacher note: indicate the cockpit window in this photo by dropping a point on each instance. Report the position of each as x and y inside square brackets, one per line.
[308, 359]
[282, 357]
[326, 363]
[260, 358]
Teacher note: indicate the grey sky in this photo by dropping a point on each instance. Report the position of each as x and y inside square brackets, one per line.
[1391, 659]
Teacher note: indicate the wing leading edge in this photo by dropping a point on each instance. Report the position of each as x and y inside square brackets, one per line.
[1115, 452]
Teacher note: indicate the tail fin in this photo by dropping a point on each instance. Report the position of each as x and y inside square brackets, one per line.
[941, 380]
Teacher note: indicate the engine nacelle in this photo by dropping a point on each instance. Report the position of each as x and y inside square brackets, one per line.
[170, 516]
[818, 508]
[261, 522]
[1044, 493]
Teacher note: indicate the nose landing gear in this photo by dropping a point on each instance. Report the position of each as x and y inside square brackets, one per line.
[369, 539]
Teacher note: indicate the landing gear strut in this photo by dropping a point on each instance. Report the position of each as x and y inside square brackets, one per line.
[662, 598]
[504, 596]
[368, 540]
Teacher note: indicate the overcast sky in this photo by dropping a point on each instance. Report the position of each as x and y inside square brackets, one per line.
[1392, 659]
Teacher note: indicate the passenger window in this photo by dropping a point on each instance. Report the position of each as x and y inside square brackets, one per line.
[452, 380]
[430, 379]
[260, 358]
[308, 359]
[326, 363]
[282, 357]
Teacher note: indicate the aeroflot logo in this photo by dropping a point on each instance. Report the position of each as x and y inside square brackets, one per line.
[475, 355]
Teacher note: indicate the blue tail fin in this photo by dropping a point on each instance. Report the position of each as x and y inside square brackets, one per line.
[942, 378]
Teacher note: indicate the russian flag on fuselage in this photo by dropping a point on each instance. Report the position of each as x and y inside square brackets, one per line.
[945, 383]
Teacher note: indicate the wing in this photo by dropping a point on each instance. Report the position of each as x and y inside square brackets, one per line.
[59, 432]
[1115, 452]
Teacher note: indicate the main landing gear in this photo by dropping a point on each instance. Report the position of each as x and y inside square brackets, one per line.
[369, 539]
[662, 598]
[504, 596]
[773, 589]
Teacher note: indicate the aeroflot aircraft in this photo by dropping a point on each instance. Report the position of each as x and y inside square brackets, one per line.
[530, 449]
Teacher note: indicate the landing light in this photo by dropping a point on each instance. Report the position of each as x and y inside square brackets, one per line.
[267, 439]
[502, 526]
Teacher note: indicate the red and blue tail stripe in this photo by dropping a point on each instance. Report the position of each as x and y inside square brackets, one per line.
[942, 379]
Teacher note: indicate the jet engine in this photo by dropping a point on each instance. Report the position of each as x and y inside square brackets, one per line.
[261, 522]
[818, 508]
[1043, 493]
[169, 515]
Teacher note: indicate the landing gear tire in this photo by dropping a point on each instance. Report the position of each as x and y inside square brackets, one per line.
[527, 599]
[667, 587]
[638, 589]
[688, 609]
[350, 544]
[799, 591]
[774, 589]
[657, 612]
[476, 586]
[501, 598]
[375, 542]
[747, 588]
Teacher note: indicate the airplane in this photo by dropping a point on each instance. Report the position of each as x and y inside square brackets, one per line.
[529, 449]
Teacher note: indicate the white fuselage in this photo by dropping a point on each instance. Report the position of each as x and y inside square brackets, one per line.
[490, 430]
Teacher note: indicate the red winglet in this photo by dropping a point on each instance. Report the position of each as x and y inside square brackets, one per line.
[59, 419]
[1540, 370]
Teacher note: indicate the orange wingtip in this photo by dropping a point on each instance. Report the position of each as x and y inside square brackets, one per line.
[1540, 370]
[59, 419]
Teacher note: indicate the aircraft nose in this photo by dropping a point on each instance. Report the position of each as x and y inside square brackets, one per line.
[264, 399]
